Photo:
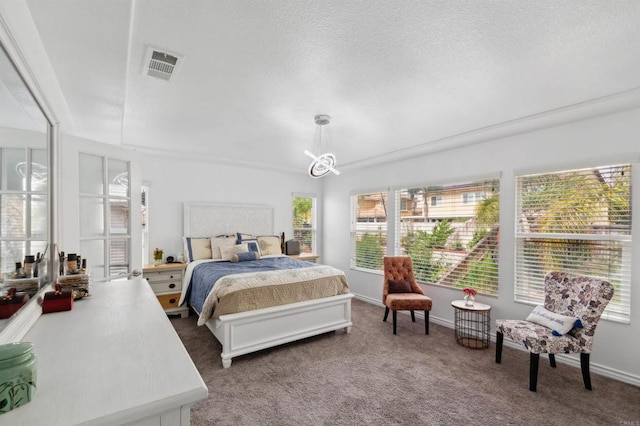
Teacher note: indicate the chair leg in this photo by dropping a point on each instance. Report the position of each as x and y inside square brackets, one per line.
[499, 338]
[584, 365]
[395, 320]
[426, 322]
[533, 371]
[386, 313]
[552, 360]
[413, 316]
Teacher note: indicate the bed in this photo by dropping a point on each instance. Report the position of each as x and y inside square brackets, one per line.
[259, 303]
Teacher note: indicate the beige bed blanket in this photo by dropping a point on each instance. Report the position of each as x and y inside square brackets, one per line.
[256, 290]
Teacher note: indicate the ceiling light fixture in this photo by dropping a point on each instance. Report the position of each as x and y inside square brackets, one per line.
[323, 160]
[38, 171]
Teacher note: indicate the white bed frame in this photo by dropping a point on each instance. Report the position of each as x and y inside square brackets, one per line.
[252, 331]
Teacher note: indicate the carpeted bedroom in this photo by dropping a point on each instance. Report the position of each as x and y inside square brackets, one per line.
[372, 377]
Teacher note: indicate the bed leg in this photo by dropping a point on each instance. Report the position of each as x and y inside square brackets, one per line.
[347, 329]
[226, 363]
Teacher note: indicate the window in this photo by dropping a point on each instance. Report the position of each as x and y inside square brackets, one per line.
[368, 230]
[455, 245]
[23, 204]
[144, 218]
[473, 197]
[575, 221]
[105, 203]
[304, 222]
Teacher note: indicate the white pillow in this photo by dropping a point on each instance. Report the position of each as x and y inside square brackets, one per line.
[196, 248]
[228, 251]
[559, 324]
[217, 243]
[269, 244]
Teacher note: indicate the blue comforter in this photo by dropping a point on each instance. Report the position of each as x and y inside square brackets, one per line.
[207, 274]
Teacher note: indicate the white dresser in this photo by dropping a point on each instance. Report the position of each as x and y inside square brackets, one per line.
[113, 359]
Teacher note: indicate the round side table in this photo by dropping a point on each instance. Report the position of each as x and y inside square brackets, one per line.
[472, 324]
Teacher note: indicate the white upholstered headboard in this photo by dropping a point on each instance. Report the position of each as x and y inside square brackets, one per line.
[211, 219]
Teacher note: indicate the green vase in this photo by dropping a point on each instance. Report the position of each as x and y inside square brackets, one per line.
[17, 375]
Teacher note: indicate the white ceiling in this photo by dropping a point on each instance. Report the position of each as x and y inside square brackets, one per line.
[393, 75]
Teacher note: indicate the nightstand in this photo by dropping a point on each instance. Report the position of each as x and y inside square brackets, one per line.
[309, 257]
[166, 282]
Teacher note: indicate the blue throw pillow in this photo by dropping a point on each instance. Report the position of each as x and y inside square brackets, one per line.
[246, 256]
[252, 244]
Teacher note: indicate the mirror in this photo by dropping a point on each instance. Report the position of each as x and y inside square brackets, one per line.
[25, 203]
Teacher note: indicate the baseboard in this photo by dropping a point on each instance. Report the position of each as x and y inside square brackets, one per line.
[595, 368]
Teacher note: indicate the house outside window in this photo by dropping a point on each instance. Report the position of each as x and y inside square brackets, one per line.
[368, 230]
[455, 244]
[576, 221]
[304, 222]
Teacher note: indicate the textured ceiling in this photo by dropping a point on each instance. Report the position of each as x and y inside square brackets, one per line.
[392, 74]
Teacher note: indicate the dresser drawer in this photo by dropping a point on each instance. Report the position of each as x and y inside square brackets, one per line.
[159, 276]
[166, 286]
[169, 301]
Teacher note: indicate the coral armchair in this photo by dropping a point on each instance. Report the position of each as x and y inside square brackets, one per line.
[569, 295]
[400, 292]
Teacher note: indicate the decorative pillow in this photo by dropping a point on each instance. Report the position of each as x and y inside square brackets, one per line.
[196, 248]
[229, 251]
[240, 236]
[219, 242]
[252, 243]
[269, 244]
[399, 286]
[243, 257]
[559, 324]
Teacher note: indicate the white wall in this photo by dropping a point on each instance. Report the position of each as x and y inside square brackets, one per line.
[173, 182]
[590, 142]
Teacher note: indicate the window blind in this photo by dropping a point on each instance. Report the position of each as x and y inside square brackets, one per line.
[451, 233]
[369, 230]
[575, 221]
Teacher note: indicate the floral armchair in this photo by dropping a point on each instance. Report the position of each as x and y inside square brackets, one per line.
[581, 297]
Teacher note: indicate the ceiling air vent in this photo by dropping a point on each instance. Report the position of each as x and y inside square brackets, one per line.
[161, 65]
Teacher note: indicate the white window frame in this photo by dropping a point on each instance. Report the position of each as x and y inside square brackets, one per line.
[525, 292]
[144, 193]
[314, 220]
[446, 280]
[28, 193]
[368, 224]
[435, 201]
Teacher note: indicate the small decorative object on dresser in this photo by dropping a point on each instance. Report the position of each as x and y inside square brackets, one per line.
[17, 375]
[166, 282]
[157, 256]
[11, 302]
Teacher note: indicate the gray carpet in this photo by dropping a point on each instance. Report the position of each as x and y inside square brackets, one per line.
[373, 377]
